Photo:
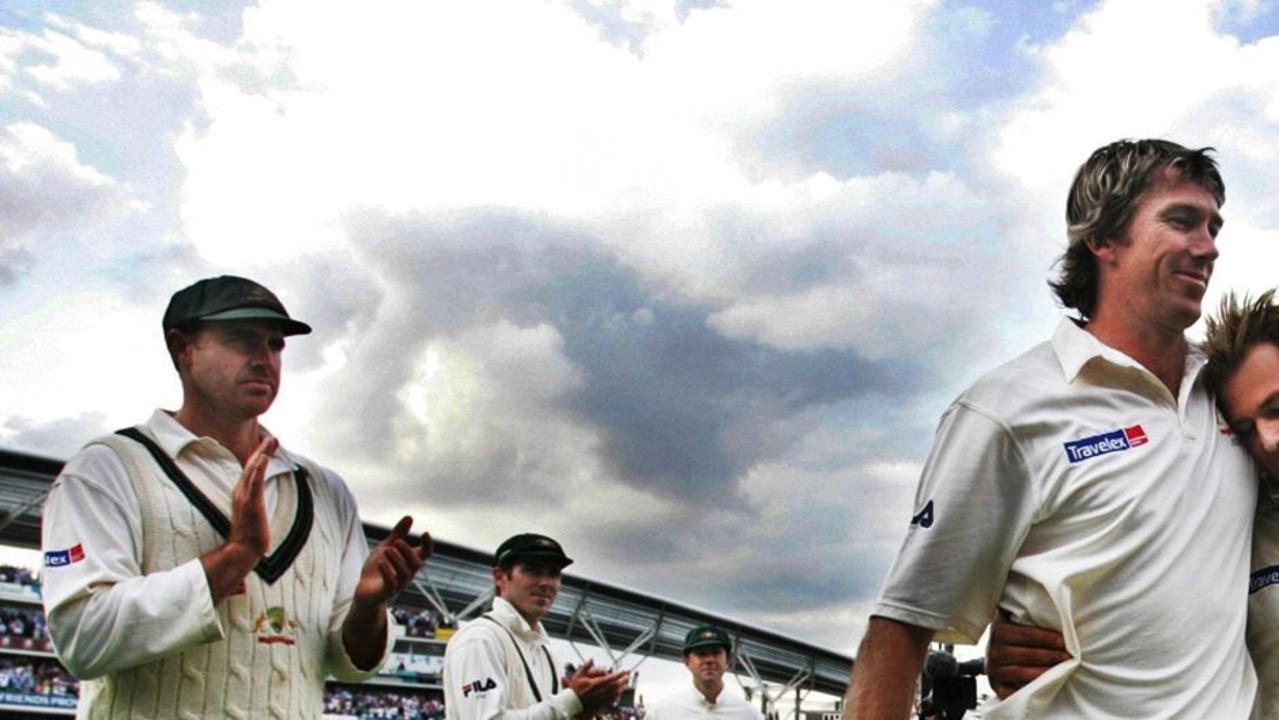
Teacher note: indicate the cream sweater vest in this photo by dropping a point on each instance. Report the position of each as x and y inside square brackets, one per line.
[270, 661]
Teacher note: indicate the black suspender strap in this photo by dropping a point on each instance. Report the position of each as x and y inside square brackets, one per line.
[550, 663]
[528, 672]
[270, 567]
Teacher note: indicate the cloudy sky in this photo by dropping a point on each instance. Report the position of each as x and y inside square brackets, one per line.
[684, 283]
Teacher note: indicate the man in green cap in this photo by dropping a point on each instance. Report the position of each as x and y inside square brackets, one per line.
[708, 651]
[193, 566]
[500, 665]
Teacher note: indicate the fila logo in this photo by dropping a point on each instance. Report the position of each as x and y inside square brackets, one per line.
[1105, 443]
[478, 686]
[924, 518]
[58, 558]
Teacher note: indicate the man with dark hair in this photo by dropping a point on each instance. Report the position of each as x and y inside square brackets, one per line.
[193, 566]
[708, 653]
[500, 665]
[1092, 458]
[1102, 201]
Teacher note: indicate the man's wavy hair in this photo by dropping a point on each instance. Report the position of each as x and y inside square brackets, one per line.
[1103, 199]
[1240, 324]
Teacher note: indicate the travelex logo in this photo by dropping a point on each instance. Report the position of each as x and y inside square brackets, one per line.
[1263, 578]
[1234, 438]
[1105, 443]
[478, 686]
[58, 558]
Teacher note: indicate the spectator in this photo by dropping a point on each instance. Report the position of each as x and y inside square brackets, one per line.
[405, 705]
[38, 676]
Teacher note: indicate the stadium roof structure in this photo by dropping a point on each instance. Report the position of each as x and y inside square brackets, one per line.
[457, 582]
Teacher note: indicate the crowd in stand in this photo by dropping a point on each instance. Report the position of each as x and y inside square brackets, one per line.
[23, 622]
[18, 576]
[37, 676]
[625, 713]
[382, 704]
[417, 623]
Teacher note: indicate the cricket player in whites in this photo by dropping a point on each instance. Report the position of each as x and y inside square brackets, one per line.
[708, 653]
[1088, 486]
[194, 568]
[500, 666]
[1242, 346]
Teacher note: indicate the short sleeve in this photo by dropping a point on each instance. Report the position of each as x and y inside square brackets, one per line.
[974, 507]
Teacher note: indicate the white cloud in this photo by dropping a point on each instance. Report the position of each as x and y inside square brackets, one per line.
[48, 197]
[27, 149]
[1171, 61]
[71, 62]
[907, 244]
[113, 42]
[436, 107]
[84, 350]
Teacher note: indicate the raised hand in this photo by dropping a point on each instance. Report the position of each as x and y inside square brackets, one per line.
[392, 564]
[226, 567]
[250, 526]
[389, 569]
[596, 689]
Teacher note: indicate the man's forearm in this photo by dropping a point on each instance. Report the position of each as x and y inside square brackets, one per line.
[364, 635]
[225, 569]
[886, 670]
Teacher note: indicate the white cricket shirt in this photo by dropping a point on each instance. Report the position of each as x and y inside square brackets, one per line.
[1071, 489]
[96, 595]
[690, 704]
[485, 678]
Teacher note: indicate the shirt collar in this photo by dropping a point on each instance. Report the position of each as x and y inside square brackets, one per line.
[171, 435]
[173, 438]
[506, 613]
[700, 700]
[1076, 347]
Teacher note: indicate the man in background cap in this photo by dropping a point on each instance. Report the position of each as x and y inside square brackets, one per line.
[707, 654]
[500, 665]
[193, 566]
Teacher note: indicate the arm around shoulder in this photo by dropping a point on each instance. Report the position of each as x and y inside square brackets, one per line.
[886, 670]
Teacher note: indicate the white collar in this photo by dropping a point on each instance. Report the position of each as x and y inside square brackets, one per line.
[511, 618]
[174, 438]
[1075, 347]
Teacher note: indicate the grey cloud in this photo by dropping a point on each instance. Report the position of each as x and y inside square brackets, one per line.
[682, 411]
[824, 544]
[43, 203]
[13, 263]
[332, 294]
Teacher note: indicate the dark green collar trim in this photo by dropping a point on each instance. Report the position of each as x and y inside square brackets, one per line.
[270, 567]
